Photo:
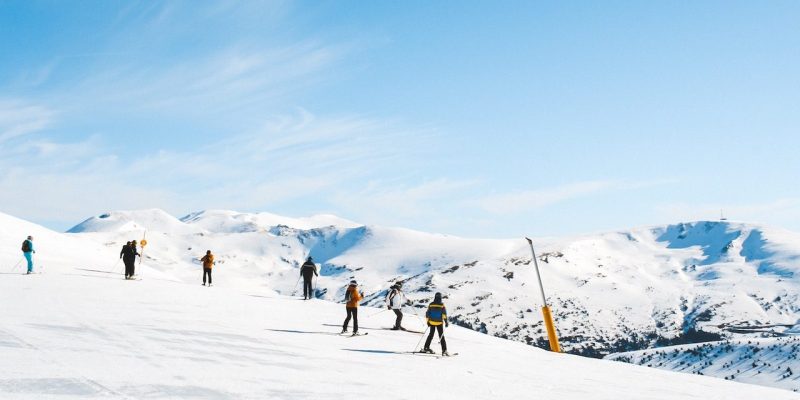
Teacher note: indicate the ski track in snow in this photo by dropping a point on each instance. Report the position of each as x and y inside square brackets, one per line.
[67, 336]
[607, 291]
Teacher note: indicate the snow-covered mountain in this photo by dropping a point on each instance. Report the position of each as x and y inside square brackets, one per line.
[80, 331]
[610, 292]
[763, 361]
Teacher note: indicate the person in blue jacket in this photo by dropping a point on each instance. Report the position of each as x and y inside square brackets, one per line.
[437, 316]
[27, 251]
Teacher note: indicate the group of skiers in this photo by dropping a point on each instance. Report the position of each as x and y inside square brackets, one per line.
[436, 314]
[128, 255]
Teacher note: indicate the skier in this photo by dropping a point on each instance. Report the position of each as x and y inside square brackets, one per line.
[395, 300]
[208, 262]
[353, 297]
[128, 255]
[307, 271]
[436, 315]
[27, 251]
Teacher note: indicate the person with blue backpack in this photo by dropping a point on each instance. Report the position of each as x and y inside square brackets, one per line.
[437, 320]
[27, 251]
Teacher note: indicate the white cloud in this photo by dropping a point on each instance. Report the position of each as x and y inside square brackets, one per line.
[18, 119]
[530, 200]
[292, 157]
[511, 203]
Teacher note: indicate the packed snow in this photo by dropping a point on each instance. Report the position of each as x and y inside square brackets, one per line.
[79, 330]
[612, 292]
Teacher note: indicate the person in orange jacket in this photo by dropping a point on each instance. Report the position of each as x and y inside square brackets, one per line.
[208, 263]
[353, 297]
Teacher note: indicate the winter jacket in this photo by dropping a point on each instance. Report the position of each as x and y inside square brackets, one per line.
[395, 299]
[208, 261]
[308, 268]
[436, 314]
[129, 253]
[354, 296]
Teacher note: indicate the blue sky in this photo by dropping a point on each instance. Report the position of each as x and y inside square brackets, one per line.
[483, 119]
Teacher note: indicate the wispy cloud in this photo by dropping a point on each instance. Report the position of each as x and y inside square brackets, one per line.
[510, 203]
[299, 156]
[18, 118]
[529, 200]
[234, 82]
[428, 203]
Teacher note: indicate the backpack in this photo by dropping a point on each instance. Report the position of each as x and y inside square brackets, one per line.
[26, 246]
[347, 295]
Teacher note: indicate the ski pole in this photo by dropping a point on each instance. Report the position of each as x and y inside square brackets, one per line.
[379, 312]
[114, 268]
[442, 336]
[314, 291]
[424, 332]
[17, 264]
[294, 291]
[421, 321]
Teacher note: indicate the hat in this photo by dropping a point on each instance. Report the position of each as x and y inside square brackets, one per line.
[30, 237]
[437, 297]
[309, 258]
[353, 282]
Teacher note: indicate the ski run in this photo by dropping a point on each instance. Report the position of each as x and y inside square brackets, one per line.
[80, 330]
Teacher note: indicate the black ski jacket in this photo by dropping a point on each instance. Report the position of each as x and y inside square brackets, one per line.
[308, 269]
[128, 253]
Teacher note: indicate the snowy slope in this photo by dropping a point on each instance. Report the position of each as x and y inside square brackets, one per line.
[92, 335]
[611, 292]
[762, 361]
[642, 287]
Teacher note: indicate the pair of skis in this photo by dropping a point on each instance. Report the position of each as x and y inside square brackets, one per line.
[347, 334]
[403, 330]
[435, 355]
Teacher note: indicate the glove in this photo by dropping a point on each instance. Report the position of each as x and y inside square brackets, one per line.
[388, 307]
[446, 324]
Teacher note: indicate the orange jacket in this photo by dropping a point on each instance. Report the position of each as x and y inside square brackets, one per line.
[354, 296]
[208, 261]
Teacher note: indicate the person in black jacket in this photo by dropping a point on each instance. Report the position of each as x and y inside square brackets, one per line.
[128, 256]
[307, 271]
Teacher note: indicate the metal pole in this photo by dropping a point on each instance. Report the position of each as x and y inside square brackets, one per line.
[538, 275]
[547, 315]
